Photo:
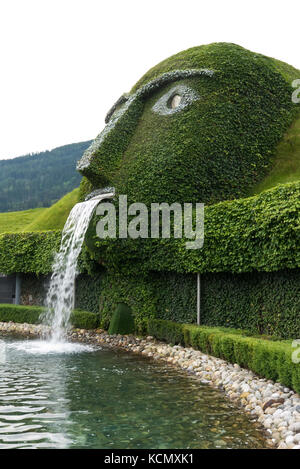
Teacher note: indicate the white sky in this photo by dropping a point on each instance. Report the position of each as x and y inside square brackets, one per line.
[65, 62]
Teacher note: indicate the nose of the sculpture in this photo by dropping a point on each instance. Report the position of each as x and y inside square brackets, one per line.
[102, 159]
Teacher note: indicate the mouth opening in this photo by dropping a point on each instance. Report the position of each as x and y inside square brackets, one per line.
[98, 193]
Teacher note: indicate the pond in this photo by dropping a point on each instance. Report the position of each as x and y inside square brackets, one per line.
[83, 396]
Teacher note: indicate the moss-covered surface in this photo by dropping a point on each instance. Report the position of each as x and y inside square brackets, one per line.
[217, 147]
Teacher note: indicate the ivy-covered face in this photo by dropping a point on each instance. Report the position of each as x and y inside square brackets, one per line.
[199, 127]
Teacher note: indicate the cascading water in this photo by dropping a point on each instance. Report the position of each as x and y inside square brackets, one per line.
[61, 293]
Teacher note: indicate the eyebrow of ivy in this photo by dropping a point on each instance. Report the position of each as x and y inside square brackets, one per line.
[157, 83]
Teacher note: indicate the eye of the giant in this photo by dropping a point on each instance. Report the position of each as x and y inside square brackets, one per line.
[175, 101]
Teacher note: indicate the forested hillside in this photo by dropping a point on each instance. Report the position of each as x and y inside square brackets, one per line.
[40, 179]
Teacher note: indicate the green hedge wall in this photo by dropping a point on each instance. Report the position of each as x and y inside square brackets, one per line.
[263, 303]
[258, 233]
[88, 290]
[267, 358]
[28, 252]
[20, 314]
[31, 315]
[166, 296]
[135, 291]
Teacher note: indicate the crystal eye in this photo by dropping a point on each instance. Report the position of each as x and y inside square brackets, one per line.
[175, 101]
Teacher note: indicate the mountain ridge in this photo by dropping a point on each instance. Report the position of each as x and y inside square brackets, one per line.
[39, 179]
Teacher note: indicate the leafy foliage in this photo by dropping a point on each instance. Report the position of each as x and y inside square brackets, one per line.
[267, 358]
[257, 233]
[261, 302]
[122, 321]
[28, 252]
[217, 148]
[88, 290]
[39, 180]
[168, 331]
[84, 319]
[136, 291]
[264, 303]
[20, 314]
[32, 315]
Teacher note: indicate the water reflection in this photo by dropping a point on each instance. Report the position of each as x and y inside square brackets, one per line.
[91, 398]
[34, 410]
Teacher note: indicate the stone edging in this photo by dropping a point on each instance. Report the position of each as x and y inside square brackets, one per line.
[275, 407]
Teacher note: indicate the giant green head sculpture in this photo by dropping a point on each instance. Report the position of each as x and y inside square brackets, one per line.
[201, 126]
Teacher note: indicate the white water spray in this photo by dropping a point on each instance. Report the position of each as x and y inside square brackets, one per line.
[61, 293]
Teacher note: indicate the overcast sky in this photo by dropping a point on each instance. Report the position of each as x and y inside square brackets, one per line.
[65, 62]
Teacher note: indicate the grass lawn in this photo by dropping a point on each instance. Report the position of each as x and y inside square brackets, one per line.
[286, 161]
[54, 217]
[39, 219]
[17, 221]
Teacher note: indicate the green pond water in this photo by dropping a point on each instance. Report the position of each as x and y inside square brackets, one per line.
[78, 396]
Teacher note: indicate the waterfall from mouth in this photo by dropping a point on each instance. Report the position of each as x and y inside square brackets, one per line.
[60, 297]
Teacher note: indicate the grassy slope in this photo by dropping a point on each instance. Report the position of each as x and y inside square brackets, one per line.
[286, 161]
[17, 221]
[54, 217]
[39, 219]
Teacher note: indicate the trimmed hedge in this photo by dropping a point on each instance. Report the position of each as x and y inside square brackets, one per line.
[267, 358]
[168, 331]
[20, 314]
[31, 315]
[122, 321]
[261, 302]
[84, 319]
[258, 233]
[28, 252]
